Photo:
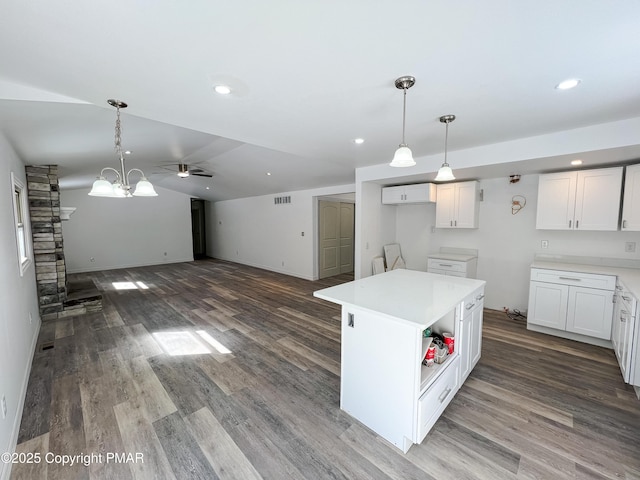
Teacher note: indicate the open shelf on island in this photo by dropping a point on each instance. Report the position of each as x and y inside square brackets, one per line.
[429, 374]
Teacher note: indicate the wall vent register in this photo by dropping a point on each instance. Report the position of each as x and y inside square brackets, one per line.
[282, 200]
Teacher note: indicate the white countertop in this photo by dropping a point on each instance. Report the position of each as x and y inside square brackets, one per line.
[630, 277]
[419, 298]
[452, 256]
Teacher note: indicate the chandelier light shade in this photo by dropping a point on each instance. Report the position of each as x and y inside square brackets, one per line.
[403, 156]
[445, 173]
[120, 188]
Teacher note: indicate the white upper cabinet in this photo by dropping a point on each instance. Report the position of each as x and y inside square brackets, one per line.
[631, 203]
[403, 194]
[583, 200]
[457, 205]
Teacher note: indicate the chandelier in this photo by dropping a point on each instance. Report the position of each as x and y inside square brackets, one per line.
[120, 188]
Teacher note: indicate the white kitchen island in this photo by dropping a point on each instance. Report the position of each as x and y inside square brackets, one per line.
[383, 381]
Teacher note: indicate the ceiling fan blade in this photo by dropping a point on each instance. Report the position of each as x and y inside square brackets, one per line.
[201, 174]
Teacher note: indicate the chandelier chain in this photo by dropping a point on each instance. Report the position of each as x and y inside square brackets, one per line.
[118, 134]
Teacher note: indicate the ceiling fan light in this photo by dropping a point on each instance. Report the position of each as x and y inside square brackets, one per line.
[403, 157]
[183, 174]
[144, 189]
[101, 188]
[445, 174]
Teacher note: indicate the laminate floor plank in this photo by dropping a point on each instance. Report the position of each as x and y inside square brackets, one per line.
[535, 406]
[66, 428]
[226, 458]
[139, 437]
[182, 450]
[30, 469]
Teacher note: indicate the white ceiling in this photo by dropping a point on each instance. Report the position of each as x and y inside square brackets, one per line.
[307, 78]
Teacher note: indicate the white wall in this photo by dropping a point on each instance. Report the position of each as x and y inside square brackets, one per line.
[18, 299]
[375, 227]
[254, 231]
[506, 243]
[126, 232]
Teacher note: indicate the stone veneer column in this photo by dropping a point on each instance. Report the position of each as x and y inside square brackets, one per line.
[46, 230]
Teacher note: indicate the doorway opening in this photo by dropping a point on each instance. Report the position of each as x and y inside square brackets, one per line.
[198, 229]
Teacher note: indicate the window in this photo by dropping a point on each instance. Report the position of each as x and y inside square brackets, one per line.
[21, 219]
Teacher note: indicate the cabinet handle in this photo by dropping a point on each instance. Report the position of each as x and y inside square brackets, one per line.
[444, 396]
[624, 224]
[618, 287]
[480, 297]
[626, 298]
[455, 223]
[451, 223]
[577, 223]
[351, 320]
[570, 278]
[445, 265]
[469, 306]
[569, 223]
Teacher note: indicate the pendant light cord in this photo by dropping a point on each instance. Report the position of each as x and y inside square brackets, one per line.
[404, 114]
[446, 141]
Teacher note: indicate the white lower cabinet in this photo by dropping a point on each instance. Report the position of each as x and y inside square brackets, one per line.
[579, 303]
[623, 332]
[470, 334]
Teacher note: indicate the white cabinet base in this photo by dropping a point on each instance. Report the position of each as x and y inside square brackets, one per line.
[570, 335]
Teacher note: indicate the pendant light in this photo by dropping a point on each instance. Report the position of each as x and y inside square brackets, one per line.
[403, 156]
[120, 187]
[445, 174]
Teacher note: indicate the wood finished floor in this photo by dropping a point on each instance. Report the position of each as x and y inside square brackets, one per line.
[535, 407]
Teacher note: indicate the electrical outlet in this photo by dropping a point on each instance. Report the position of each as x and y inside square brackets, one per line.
[630, 247]
[4, 407]
[544, 243]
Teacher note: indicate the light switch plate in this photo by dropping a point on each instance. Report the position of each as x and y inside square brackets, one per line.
[630, 247]
[544, 243]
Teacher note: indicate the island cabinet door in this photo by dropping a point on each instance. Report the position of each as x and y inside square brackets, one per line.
[379, 378]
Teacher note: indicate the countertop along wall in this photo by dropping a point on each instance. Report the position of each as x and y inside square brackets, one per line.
[18, 301]
[126, 232]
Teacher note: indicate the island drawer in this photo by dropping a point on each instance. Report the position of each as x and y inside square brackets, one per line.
[437, 397]
[588, 280]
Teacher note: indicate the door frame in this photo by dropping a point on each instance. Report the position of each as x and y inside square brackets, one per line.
[347, 197]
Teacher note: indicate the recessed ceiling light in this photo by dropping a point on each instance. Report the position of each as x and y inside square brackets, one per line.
[358, 141]
[576, 162]
[222, 89]
[127, 152]
[207, 188]
[268, 174]
[568, 84]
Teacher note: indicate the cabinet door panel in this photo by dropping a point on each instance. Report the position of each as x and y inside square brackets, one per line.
[392, 195]
[476, 334]
[556, 201]
[465, 208]
[590, 312]
[631, 203]
[548, 305]
[598, 199]
[445, 205]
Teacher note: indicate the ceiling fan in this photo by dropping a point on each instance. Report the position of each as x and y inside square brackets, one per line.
[185, 171]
